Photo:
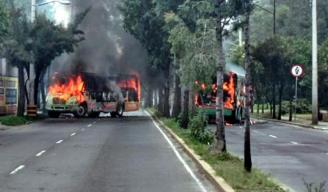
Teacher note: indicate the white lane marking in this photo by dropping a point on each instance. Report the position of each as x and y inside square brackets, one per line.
[94, 122]
[73, 134]
[294, 143]
[59, 142]
[40, 153]
[89, 125]
[273, 136]
[17, 169]
[186, 166]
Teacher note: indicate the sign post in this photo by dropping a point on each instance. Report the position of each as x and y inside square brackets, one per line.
[297, 71]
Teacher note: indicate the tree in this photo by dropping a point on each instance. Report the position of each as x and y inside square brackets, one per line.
[50, 41]
[223, 12]
[4, 23]
[144, 19]
[247, 8]
[17, 50]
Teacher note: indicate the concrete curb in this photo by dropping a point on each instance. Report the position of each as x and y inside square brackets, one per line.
[293, 123]
[209, 172]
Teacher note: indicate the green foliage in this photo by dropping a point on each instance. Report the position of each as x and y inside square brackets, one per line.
[13, 120]
[323, 74]
[183, 120]
[4, 23]
[49, 41]
[145, 21]
[225, 165]
[196, 53]
[198, 129]
[17, 43]
[303, 107]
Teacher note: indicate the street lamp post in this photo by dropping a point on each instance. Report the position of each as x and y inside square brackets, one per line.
[314, 64]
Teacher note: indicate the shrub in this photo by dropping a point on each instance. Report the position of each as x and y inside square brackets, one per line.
[198, 129]
[13, 120]
[183, 120]
[303, 107]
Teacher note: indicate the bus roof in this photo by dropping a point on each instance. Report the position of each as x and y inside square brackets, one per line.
[238, 70]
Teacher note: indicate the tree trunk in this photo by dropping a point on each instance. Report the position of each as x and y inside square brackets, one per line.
[219, 145]
[155, 97]
[43, 95]
[258, 108]
[36, 88]
[21, 98]
[291, 110]
[263, 105]
[249, 93]
[281, 89]
[149, 97]
[274, 115]
[177, 98]
[166, 100]
[185, 111]
[252, 109]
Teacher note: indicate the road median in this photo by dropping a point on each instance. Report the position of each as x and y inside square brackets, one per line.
[225, 171]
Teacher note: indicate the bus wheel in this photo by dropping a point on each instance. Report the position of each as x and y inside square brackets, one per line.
[113, 114]
[120, 111]
[94, 114]
[81, 111]
[53, 114]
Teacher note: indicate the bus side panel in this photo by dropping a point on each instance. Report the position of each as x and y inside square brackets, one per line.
[131, 106]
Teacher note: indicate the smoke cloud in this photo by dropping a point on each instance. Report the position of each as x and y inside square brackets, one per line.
[108, 49]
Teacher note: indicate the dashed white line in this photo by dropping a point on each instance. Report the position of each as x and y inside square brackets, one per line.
[73, 134]
[186, 166]
[294, 143]
[59, 142]
[17, 169]
[40, 153]
[89, 125]
[273, 136]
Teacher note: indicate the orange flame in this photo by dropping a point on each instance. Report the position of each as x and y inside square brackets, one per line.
[75, 87]
[133, 83]
[229, 87]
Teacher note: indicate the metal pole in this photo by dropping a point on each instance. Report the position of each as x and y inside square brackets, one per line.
[296, 97]
[314, 64]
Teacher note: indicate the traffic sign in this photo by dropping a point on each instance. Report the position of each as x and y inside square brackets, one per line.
[297, 71]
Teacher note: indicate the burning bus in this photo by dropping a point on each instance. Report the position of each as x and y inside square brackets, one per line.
[84, 94]
[130, 86]
[205, 97]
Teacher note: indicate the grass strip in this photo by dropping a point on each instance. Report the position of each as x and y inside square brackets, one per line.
[226, 166]
[15, 120]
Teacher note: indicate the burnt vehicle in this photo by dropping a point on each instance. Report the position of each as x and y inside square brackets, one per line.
[233, 90]
[83, 95]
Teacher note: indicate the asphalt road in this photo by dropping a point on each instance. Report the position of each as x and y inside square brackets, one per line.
[289, 153]
[95, 155]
